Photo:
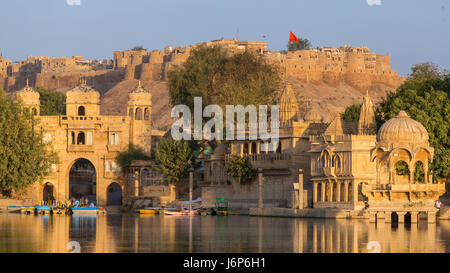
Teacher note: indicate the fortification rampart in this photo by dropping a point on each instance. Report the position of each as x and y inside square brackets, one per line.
[355, 66]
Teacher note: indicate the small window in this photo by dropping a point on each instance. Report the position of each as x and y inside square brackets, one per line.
[114, 139]
[72, 138]
[81, 111]
[138, 114]
[81, 139]
[146, 114]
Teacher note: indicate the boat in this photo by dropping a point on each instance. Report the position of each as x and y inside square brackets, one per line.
[91, 209]
[28, 210]
[221, 206]
[88, 210]
[183, 211]
[149, 211]
[13, 208]
[43, 209]
[172, 212]
[59, 210]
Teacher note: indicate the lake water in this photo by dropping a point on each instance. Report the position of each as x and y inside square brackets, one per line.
[158, 233]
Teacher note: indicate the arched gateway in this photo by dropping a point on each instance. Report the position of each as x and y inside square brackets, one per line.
[83, 180]
[88, 142]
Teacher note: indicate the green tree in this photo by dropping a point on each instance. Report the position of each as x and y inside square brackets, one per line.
[243, 78]
[302, 44]
[425, 71]
[52, 102]
[240, 169]
[174, 158]
[351, 113]
[427, 100]
[137, 48]
[24, 157]
[132, 152]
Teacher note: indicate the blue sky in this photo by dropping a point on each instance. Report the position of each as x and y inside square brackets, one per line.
[411, 31]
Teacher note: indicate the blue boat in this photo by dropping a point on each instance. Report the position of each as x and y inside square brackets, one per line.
[44, 209]
[91, 209]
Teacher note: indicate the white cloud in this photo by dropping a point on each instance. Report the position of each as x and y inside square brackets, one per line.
[373, 2]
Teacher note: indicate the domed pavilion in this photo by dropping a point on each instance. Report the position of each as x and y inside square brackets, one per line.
[404, 183]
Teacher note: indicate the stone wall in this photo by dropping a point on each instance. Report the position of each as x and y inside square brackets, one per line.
[356, 66]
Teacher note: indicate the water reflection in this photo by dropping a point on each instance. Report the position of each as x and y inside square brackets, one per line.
[134, 233]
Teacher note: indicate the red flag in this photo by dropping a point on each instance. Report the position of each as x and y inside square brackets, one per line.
[293, 38]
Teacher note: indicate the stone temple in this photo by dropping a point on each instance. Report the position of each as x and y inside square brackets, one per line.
[344, 169]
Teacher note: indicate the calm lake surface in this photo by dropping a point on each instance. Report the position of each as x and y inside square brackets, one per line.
[158, 233]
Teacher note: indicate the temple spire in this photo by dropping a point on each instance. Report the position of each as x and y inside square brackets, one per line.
[289, 106]
[367, 124]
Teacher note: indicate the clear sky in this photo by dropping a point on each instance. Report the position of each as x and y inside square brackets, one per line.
[411, 31]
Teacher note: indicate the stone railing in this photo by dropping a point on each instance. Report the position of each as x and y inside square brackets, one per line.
[265, 157]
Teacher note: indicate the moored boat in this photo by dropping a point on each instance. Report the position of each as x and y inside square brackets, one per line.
[28, 210]
[88, 210]
[91, 209]
[13, 208]
[149, 211]
[43, 209]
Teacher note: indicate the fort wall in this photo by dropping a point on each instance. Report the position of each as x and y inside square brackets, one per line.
[355, 66]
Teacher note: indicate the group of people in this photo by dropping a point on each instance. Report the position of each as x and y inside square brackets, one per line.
[82, 202]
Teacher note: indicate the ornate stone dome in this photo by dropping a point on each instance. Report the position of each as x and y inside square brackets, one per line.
[313, 115]
[28, 95]
[82, 94]
[402, 129]
[140, 96]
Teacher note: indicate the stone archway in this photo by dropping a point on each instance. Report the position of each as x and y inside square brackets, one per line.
[114, 194]
[83, 180]
[48, 192]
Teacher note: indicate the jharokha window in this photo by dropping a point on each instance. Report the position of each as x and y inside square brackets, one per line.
[81, 111]
[81, 139]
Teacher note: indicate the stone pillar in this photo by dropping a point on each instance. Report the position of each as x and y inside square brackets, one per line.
[258, 147]
[388, 216]
[431, 217]
[260, 188]
[338, 194]
[315, 192]
[372, 217]
[136, 183]
[346, 191]
[300, 189]
[322, 191]
[330, 192]
[173, 193]
[414, 216]
[401, 217]
[380, 215]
